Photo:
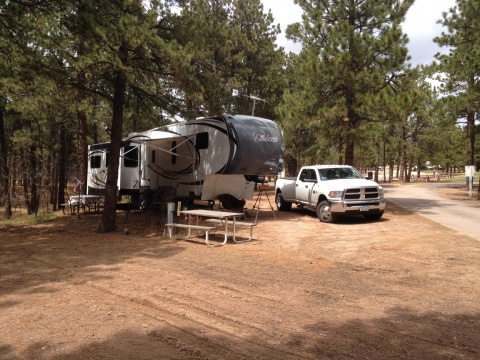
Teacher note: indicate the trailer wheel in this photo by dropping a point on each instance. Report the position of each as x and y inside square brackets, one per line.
[324, 212]
[143, 202]
[282, 205]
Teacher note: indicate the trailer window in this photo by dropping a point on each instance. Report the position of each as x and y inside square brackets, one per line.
[201, 141]
[95, 162]
[174, 152]
[130, 157]
[154, 156]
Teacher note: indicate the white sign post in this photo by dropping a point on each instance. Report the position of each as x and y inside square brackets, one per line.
[470, 175]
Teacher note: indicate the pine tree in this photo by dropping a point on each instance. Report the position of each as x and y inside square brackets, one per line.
[460, 68]
[113, 51]
[257, 67]
[357, 50]
[202, 27]
[15, 23]
[232, 47]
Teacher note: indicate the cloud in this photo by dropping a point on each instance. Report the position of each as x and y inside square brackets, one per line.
[422, 49]
[284, 13]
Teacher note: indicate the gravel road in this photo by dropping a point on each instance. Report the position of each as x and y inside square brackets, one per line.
[424, 199]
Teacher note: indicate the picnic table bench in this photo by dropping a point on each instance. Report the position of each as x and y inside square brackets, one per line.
[237, 223]
[190, 227]
[72, 205]
[226, 217]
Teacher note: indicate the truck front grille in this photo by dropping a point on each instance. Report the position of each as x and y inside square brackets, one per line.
[362, 193]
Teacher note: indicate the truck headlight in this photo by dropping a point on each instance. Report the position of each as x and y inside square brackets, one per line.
[380, 192]
[335, 194]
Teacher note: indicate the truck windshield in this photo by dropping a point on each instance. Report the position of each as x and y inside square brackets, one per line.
[339, 173]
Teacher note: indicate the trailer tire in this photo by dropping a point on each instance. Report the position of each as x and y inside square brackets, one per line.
[143, 202]
[282, 205]
[324, 213]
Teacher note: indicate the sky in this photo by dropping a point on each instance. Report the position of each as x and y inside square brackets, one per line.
[420, 26]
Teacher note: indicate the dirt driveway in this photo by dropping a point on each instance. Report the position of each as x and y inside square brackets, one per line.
[400, 288]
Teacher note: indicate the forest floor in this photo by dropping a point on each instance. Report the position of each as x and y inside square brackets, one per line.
[403, 287]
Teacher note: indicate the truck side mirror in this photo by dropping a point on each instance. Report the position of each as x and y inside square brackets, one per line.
[369, 175]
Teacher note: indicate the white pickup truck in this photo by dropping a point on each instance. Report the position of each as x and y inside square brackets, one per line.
[331, 190]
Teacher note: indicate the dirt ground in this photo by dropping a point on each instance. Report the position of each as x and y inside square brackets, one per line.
[403, 287]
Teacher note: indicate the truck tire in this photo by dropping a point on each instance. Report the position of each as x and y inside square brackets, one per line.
[323, 212]
[282, 205]
[373, 216]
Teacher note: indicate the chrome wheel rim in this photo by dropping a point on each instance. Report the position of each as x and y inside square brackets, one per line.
[325, 213]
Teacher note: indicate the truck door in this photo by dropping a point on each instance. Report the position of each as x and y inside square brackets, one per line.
[307, 180]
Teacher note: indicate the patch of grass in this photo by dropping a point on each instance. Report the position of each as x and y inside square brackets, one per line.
[19, 219]
[46, 217]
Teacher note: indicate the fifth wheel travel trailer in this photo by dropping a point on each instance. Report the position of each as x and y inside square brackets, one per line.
[198, 159]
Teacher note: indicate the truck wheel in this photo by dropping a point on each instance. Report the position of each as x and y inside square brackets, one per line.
[282, 205]
[324, 213]
[374, 216]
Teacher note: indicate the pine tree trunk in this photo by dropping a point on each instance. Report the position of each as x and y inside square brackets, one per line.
[34, 202]
[5, 170]
[82, 148]
[470, 140]
[110, 209]
[62, 166]
[291, 165]
[339, 150]
[349, 149]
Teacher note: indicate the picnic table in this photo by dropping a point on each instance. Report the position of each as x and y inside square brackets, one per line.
[86, 202]
[432, 177]
[225, 218]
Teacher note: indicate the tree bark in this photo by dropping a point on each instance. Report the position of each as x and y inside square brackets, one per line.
[62, 166]
[82, 148]
[291, 165]
[339, 149]
[120, 84]
[34, 202]
[351, 123]
[349, 149]
[5, 170]
[470, 139]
